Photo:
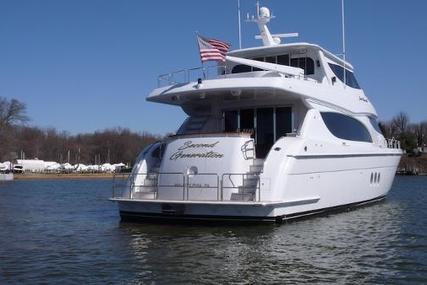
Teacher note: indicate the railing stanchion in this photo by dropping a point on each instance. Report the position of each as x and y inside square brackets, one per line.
[217, 187]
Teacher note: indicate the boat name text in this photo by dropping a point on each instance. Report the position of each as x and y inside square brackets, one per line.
[199, 147]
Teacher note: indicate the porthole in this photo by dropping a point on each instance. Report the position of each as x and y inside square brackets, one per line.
[375, 177]
[372, 177]
[379, 175]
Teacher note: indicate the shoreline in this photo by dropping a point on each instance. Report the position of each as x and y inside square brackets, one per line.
[68, 176]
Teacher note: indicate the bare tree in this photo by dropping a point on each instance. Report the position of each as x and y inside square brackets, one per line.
[423, 133]
[12, 112]
[418, 131]
[400, 123]
[385, 128]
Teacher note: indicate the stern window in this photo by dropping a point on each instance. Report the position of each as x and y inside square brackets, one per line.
[231, 121]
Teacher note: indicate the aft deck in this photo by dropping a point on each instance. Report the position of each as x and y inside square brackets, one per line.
[232, 187]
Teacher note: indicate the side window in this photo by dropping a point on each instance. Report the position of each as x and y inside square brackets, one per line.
[283, 59]
[375, 124]
[159, 151]
[271, 59]
[305, 63]
[345, 127]
[241, 68]
[350, 79]
[182, 128]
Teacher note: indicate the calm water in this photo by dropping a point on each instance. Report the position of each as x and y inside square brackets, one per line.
[67, 232]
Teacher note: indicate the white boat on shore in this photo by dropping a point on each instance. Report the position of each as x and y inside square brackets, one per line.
[6, 176]
[6, 171]
[279, 132]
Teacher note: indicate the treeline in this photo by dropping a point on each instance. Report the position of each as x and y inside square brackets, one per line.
[122, 145]
[412, 136]
[20, 141]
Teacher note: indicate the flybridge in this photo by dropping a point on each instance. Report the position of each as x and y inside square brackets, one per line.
[262, 18]
[293, 60]
[219, 72]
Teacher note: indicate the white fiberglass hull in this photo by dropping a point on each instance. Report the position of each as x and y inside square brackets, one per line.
[313, 185]
[263, 212]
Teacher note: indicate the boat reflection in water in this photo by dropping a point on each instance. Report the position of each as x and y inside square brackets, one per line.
[341, 248]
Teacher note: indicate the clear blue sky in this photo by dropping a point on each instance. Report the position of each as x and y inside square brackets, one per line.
[85, 65]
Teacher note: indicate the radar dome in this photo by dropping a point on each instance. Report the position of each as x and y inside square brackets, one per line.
[264, 12]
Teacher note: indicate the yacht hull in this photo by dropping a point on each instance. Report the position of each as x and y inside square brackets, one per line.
[302, 186]
[141, 211]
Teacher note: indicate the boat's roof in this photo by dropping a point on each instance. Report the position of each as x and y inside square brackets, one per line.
[267, 50]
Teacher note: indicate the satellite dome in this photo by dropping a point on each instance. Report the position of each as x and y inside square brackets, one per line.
[264, 12]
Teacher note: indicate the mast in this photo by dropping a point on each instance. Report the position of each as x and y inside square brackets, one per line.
[343, 39]
[239, 24]
[262, 18]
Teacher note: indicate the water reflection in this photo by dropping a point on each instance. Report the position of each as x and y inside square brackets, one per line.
[68, 232]
[343, 247]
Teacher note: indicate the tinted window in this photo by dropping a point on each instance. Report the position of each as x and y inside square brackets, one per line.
[241, 68]
[270, 59]
[375, 124]
[264, 131]
[247, 119]
[305, 63]
[283, 59]
[350, 79]
[345, 127]
[283, 121]
[230, 121]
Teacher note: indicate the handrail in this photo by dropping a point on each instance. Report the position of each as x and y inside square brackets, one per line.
[189, 186]
[184, 76]
[244, 187]
[190, 74]
[128, 182]
[393, 143]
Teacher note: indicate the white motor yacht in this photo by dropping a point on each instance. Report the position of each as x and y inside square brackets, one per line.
[278, 132]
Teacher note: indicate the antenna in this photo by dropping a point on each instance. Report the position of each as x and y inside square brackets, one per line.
[262, 18]
[343, 39]
[240, 26]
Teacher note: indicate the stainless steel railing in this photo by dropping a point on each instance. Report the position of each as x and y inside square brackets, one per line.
[192, 74]
[393, 143]
[184, 76]
[125, 185]
[241, 183]
[129, 186]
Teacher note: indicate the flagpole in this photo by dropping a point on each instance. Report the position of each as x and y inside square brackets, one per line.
[197, 44]
[198, 48]
[203, 63]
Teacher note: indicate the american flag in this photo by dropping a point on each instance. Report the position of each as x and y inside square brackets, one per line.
[212, 49]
